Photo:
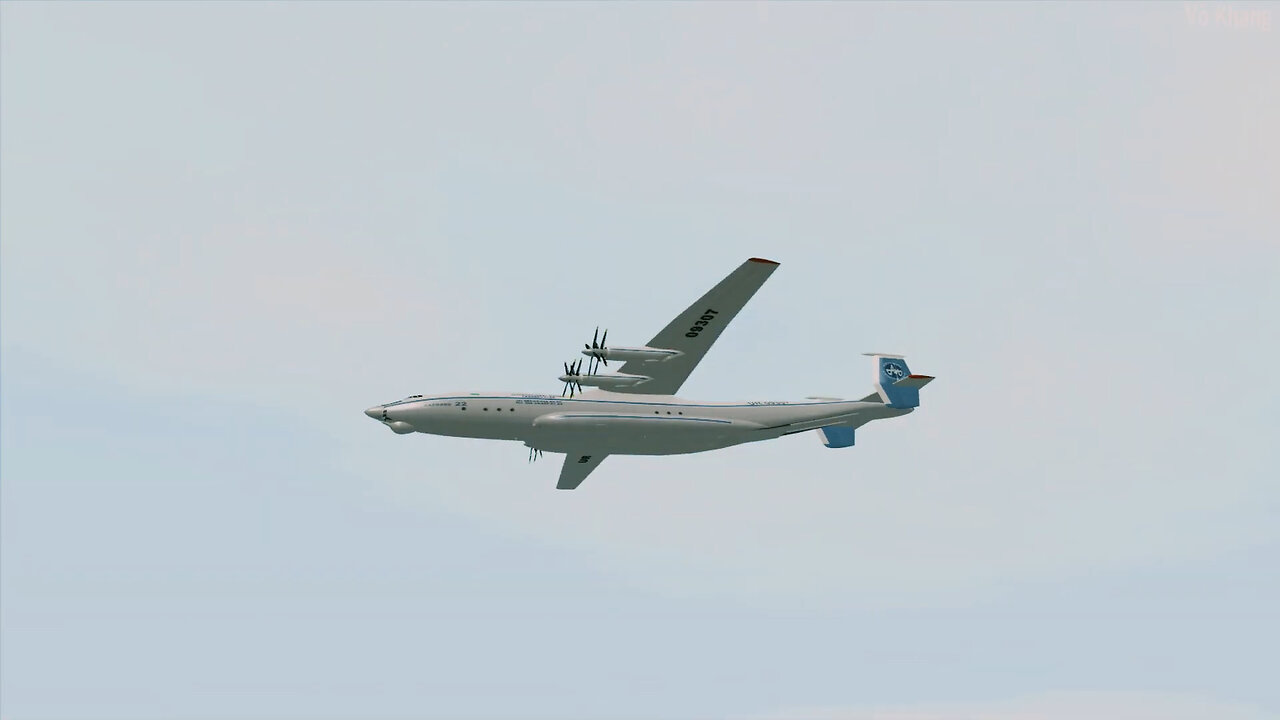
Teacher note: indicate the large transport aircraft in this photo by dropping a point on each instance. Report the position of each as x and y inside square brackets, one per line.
[635, 411]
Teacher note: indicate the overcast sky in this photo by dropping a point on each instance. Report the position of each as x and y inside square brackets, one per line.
[228, 228]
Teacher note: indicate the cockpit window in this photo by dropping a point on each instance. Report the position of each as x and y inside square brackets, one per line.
[412, 397]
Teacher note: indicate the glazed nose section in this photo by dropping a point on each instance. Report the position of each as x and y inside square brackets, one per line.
[374, 412]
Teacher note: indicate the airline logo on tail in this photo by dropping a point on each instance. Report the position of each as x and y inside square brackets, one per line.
[895, 384]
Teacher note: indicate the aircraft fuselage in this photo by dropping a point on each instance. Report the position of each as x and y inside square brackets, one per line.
[618, 423]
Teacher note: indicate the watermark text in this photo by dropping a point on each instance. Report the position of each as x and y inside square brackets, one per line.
[1228, 16]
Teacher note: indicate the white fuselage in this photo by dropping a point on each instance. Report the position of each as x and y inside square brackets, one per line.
[618, 423]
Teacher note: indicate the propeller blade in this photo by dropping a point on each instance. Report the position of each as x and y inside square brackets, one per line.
[606, 337]
[597, 335]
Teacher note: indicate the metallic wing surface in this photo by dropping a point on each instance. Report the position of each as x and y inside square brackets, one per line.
[577, 466]
[693, 331]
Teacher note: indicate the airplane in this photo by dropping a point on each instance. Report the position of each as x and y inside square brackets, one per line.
[635, 411]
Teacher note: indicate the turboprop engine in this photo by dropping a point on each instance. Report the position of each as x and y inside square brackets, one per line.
[643, 354]
[574, 378]
[597, 350]
[604, 381]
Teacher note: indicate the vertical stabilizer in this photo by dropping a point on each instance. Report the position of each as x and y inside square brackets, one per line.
[897, 387]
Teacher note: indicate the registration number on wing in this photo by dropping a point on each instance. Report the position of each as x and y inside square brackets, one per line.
[707, 316]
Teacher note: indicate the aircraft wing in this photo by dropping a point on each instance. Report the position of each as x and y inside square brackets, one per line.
[577, 466]
[693, 331]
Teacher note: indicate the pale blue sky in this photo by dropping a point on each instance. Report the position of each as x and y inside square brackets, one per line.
[228, 228]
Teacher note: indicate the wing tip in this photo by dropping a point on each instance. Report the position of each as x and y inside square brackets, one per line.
[763, 261]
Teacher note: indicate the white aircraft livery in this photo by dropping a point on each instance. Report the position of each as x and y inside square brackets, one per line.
[634, 411]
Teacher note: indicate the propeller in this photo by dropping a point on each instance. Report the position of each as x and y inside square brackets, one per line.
[571, 372]
[534, 453]
[598, 357]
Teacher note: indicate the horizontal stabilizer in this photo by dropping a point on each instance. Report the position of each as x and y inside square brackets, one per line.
[836, 436]
[914, 381]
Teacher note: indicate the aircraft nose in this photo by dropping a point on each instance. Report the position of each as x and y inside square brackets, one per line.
[374, 412]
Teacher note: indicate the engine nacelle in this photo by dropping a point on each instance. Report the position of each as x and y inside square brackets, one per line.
[612, 380]
[643, 354]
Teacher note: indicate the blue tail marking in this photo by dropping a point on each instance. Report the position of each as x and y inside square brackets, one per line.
[893, 381]
[837, 436]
